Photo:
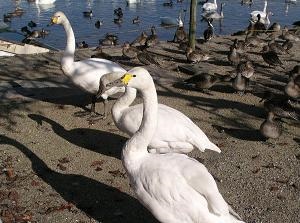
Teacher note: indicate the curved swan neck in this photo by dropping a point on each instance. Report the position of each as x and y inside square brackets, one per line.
[122, 103]
[265, 7]
[68, 56]
[138, 143]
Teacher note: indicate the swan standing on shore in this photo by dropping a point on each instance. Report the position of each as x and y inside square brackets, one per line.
[173, 187]
[183, 137]
[84, 74]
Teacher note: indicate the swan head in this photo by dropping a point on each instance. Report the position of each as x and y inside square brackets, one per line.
[138, 78]
[58, 18]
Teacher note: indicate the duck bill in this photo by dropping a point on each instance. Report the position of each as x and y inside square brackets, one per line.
[103, 89]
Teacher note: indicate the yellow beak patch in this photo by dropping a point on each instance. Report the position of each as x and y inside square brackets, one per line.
[54, 20]
[126, 78]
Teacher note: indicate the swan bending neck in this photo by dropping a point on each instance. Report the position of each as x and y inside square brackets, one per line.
[137, 145]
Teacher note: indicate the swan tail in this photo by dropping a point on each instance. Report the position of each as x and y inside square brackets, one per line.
[214, 148]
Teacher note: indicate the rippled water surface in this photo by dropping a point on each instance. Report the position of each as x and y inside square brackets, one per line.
[149, 11]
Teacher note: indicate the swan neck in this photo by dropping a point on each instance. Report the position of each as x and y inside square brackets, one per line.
[265, 6]
[141, 139]
[122, 103]
[68, 56]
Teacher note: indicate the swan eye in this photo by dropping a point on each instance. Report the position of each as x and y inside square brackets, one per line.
[134, 75]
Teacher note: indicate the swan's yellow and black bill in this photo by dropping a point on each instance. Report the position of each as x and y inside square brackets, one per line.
[53, 20]
[126, 78]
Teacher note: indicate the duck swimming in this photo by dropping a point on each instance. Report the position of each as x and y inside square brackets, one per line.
[154, 177]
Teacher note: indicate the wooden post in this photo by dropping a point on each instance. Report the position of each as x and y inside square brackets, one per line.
[192, 31]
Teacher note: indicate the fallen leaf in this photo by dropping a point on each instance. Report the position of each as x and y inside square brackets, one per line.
[35, 183]
[117, 173]
[61, 167]
[13, 195]
[64, 160]
[97, 163]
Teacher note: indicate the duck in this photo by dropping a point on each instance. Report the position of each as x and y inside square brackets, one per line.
[279, 106]
[98, 24]
[88, 14]
[254, 41]
[245, 68]
[140, 40]
[152, 175]
[100, 54]
[286, 35]
[294, 72]
[180, 34]
[7, 18]
[118, 12]
[287, 45]
[233, 56]
[239, 45]
[270, 57]
[195, 57]
[247, 2]
[277, 48]
[210, 6]
[109, 40]
[240, 83]
[296, 23]
[84, 74]
[214, 14]
[263, 13]
[152, 39]
[82, 45]
[25, 30]
[118, 20]
[209, 32]
[45, 2]
[292, 89]
[136, 20]
[270, 128]
[147, 59]
[31, 24]
[129, 52]
[274, 29]
[202, 81]
[259, 26]
[169, 3]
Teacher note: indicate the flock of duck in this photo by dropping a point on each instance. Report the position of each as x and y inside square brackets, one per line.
[170, 184]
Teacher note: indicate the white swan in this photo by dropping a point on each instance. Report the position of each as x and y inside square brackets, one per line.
[44, 2]
[183, 137]
[173, 187]
[84, 74]
[266, 20]
[263, 13]
[214, 15]
[210, 6]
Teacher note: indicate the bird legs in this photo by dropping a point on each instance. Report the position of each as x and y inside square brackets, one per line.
[94, 116]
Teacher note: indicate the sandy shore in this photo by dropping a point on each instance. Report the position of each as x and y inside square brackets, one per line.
[57, 167]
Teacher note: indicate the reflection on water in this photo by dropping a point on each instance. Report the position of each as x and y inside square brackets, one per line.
[236, 17]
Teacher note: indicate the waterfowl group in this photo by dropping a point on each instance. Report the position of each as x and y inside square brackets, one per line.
[152, 174]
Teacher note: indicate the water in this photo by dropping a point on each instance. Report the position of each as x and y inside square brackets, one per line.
[236, 18]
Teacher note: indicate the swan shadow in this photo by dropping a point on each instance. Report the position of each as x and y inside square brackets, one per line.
[243, 134]
[106, 143]
[99, 201]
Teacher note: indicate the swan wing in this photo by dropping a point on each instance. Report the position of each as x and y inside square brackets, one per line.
[86, 73]
[182, 137]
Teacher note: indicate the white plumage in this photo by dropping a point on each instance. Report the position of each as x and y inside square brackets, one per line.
[210, 6]
[44, 2]
[173, 187]
[183, 137]
[84, 74]
[263, 13]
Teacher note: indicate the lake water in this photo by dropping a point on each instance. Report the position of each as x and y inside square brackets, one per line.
[149, 11]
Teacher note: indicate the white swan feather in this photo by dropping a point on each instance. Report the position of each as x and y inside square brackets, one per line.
[173, 187]
[210, 6]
